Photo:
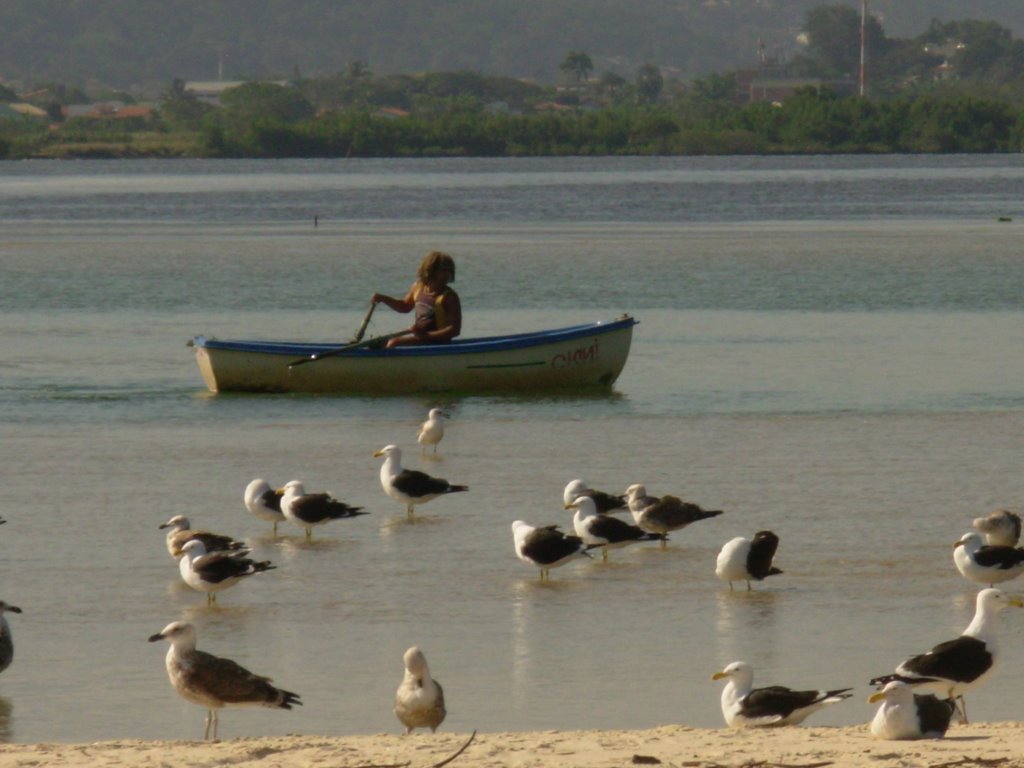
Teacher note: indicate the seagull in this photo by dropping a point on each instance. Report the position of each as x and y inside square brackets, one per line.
[952, 668]
[214, 682]
[545, 547]
[181, 532]
[432, 430]
[743, 559]
[744, 706]
[307, 510]
[211, 572]
[604, 502]
[1002, 527]
[264, 502]
[6, 640]
[603, 530]
[669, 513]
[986, 564]
[908, 715]
[419, 700]
[410, 486]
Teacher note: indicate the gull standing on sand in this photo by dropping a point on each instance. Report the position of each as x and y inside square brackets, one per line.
[744, 706]
[952, 668]
[1000, 528]
[212, 572]
[6, 639]
[603, 530]
[908, 715]
[419, 700]
[545, 547]
[181, 532]
[213, 682]
[410, 486]
[604, 503]
[264, 502]
[986, 564]
[743, 559]
[432, 430]
[307, 510]
[664, 515]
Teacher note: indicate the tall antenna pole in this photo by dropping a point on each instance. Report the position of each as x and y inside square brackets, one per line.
[863, 45]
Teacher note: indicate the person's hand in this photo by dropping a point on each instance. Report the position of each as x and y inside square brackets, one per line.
[376, 298]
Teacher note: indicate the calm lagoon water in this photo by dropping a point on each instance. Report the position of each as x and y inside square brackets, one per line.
[828, 347]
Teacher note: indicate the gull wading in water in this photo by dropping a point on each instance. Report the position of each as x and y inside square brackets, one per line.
[744, 706]
[419, 700]
[985, 563]
[6, 639]
[214, 682]
[1000, 528]
[410, 486]
[604, 503]
[212, 572]
[743, 559]
[264, 502]
[307, 510]
[432, 430]
[181, 532]
[665, 514]
[545, 547]
[603, 530]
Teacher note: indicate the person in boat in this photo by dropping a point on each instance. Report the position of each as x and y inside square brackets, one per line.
[437, 306]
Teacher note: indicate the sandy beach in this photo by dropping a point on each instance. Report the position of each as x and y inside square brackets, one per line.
[984, 744]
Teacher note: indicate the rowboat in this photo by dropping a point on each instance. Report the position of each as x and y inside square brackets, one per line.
[579, 357]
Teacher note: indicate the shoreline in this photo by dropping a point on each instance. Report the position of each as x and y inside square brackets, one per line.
[982, 744]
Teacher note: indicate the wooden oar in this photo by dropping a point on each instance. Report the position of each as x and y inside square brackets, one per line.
[366, 322]
[346, 348]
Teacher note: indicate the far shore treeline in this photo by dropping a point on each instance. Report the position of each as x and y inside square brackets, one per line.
[957, 88]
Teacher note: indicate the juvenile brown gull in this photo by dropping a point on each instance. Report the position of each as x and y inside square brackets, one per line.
[212, 572]
[665, 514]
[986, 564]
[1001, 527]
[432, 430]
[744, 706]
[419, 700]
[952, 668]
[214, 682]
[545, 547]
[743, 559]
[605, 503]
[307, 510]
[603, 530]
[410, 486]
[908, 715]
[180, 532]
[264, 502]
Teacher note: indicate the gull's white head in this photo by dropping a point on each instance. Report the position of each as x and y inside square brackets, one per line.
[436, 413]
[177, 633]
[415, 662]
[635, 491]
[573, 489]
[193, 548]
[389, 452]
[584, 505]
[895, 692]
[739, 672]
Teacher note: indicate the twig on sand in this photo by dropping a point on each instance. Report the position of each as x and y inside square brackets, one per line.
[763, 764]
[461, 750]
[971, 761]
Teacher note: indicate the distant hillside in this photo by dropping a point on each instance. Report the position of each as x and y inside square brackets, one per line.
[147, 43]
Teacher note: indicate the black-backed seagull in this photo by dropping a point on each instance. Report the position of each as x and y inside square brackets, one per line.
[308, 510]
[181, 532]
[743, 559]
[212, 572]
[1000, 528]
[432, 430]
[603, 530]
[264, 502]
[6, 639]
[605, 503]
[985, 564]
[545, 547]
[952, 668]
[665, 514]
[410, 486]
[419, 700]
[214, 682]
[908, 715]
[744, 706]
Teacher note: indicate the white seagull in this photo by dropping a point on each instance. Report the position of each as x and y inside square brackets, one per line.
[6, 639]
[264, 502]
[744, 706]
[213, 682]
[419, 700]
[908, 715]
[432, 430]
[181, 532]
[307, 510]
[1001, 528]
[603, 530]
[743, 559]
[545, 547]
[665, 514]
[986, 564]
[603, 502]
[410, 486]
[952, 668]
[212, 572]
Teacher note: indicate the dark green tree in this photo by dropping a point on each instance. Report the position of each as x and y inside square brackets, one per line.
[833, 39]
[649, 83]
[577, 65]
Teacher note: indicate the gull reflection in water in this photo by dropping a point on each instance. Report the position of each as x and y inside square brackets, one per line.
[6, 713]
[744, 621]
